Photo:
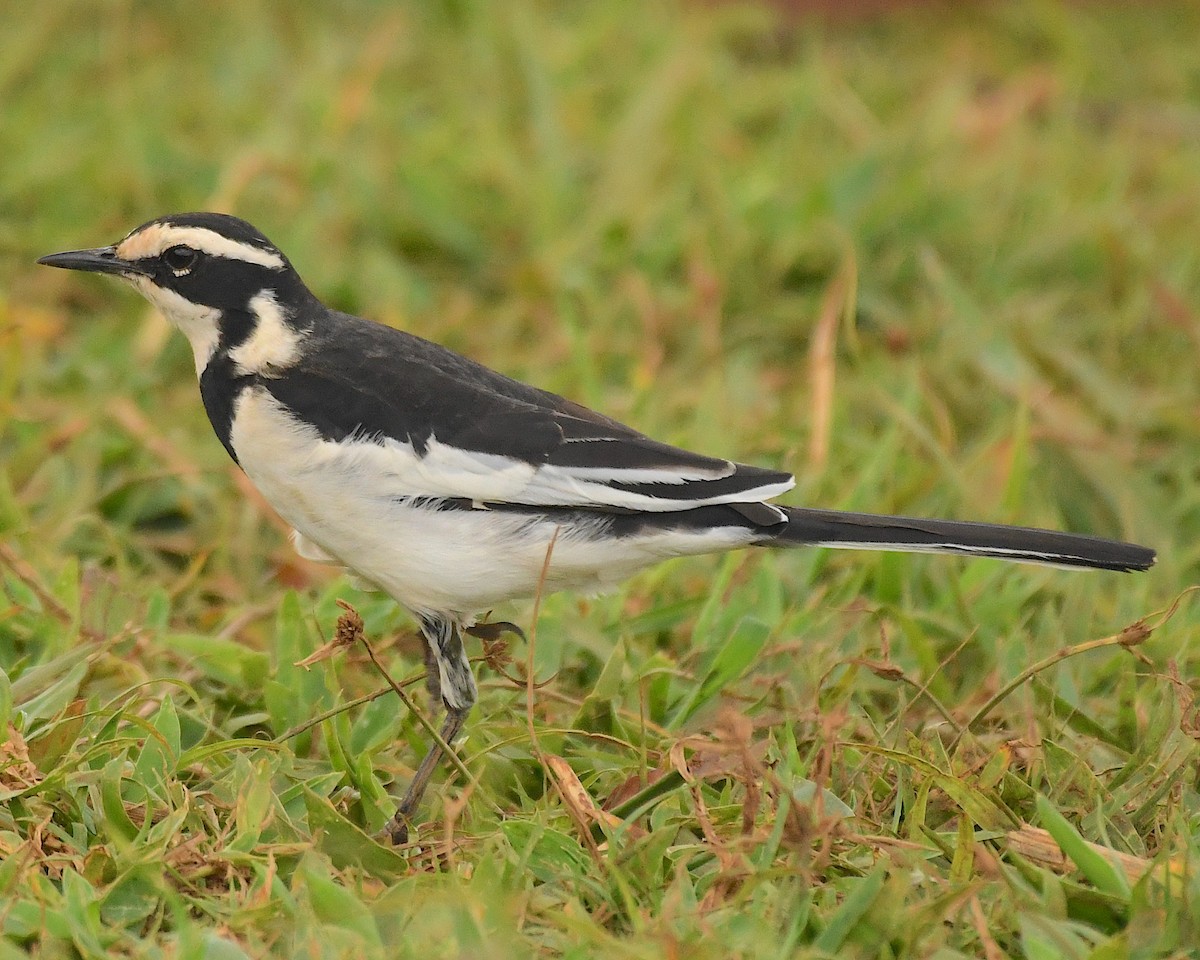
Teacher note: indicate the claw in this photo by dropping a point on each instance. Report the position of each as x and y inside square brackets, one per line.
[396, 830]
[493, 631]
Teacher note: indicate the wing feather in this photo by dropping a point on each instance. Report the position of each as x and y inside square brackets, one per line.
[455, 425]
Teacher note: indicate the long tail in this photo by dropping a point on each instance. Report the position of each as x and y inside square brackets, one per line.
[864, 531]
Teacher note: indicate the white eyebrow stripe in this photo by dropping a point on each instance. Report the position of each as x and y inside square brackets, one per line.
[154, 239]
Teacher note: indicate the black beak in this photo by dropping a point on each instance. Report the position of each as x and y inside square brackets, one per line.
[99, 260]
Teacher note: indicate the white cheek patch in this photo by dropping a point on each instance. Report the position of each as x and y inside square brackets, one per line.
[151, 241]
[273, 345]
[197, 322]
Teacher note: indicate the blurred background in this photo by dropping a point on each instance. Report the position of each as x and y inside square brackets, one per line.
[935, 258]
[782, 237]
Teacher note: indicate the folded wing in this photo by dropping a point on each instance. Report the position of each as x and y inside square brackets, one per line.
[434, 424]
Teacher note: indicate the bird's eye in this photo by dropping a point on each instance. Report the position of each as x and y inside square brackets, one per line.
[180, 259]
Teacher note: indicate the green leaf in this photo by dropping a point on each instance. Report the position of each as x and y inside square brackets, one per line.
[1105, 875]
[206, 751]
[159, 757]
[254, 802]
[963, 864]
[129, 901]
[112, 803]
[548, 854]
[649, 796]
[295, 693]
[81, 908]
[24, 919]
[217, 947]
[863, 893]
[225, 661]
[54, 740]
[804, 792]
[976, 804]
[10, 508]
[731, 660]
[52, 699]
[10, 952]
[158, 609]
[36, 680]
[596, 712]
[378, 724]
[714, 609]
[335, 905]
[6, 701]
[347, 844]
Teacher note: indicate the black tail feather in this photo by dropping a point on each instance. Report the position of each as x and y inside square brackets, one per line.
[864, 531]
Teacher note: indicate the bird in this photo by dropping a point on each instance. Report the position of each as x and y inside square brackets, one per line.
[454, 488]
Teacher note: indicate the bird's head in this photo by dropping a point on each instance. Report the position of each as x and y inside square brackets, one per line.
[214, 276]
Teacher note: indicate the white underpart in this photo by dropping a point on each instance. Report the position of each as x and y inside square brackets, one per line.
[344, 500]
[274, 344]
[197, 322]
[153, 240]
[310, 551]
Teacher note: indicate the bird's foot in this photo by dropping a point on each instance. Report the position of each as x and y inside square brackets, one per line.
[493, 631]
[495, 647]
[395, 831]
[397, 828]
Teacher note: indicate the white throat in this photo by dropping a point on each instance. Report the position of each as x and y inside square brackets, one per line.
[197, 322]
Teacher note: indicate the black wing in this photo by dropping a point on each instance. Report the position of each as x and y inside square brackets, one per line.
[471, 428]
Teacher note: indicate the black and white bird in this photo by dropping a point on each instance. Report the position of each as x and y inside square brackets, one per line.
[448, 485]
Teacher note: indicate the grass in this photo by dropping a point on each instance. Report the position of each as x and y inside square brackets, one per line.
[943, 263]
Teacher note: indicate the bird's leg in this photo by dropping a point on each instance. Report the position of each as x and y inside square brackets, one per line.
[397, 827]
[447, 659]
[433, 676]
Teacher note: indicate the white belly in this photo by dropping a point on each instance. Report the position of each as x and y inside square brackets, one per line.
[350, 503]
